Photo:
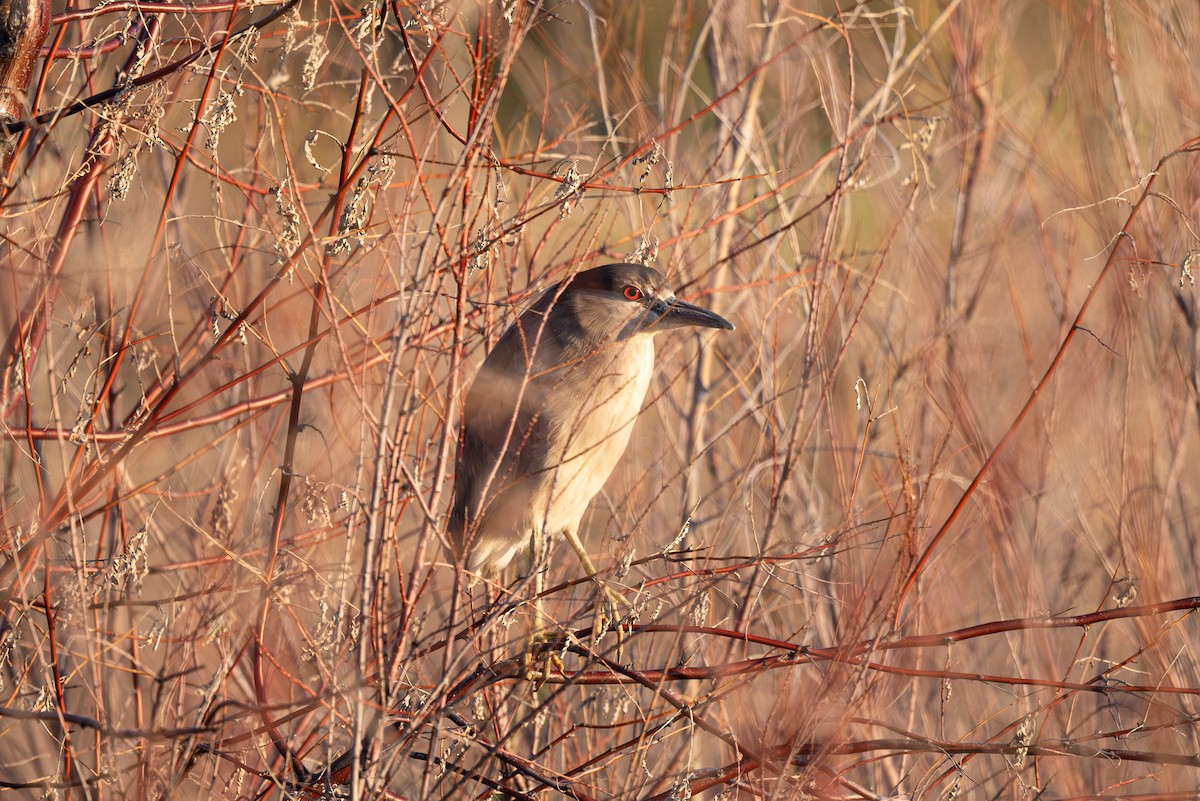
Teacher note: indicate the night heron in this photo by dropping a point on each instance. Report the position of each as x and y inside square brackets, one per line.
[551, 410]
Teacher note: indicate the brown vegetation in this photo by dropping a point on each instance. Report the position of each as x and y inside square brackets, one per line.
[921, 526]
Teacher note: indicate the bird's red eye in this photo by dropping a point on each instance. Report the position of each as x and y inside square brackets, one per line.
[632, 293]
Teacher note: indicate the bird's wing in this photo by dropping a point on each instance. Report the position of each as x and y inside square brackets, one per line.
[504, 434]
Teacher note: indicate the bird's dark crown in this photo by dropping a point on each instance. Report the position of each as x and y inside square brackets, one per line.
[613, 278]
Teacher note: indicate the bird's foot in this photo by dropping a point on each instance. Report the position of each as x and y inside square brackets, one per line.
[611, 615]
[541, 658]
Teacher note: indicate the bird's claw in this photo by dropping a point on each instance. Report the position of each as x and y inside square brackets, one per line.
[609, 616]
[540, 651]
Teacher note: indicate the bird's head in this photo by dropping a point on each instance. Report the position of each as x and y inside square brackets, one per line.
[624, 300]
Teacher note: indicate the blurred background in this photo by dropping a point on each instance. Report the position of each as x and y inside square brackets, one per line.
[919, 528]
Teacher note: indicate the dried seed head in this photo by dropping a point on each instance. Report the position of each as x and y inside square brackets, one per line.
[646, 252]
[221, 114]
[318, 51]
[1185, 269]
[122, 176]
[569, 192]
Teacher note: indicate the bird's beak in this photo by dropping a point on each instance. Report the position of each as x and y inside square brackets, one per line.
[679, 313]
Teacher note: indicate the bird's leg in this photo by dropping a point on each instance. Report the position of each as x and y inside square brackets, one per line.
[611, 598]
[537, 557]
[539, 636]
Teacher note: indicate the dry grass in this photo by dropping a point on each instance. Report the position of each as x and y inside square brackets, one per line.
[920, 527]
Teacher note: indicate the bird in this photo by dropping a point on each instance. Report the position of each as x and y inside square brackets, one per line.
[550, 412]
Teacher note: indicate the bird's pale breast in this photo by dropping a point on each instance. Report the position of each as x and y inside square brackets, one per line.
[554, 439]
